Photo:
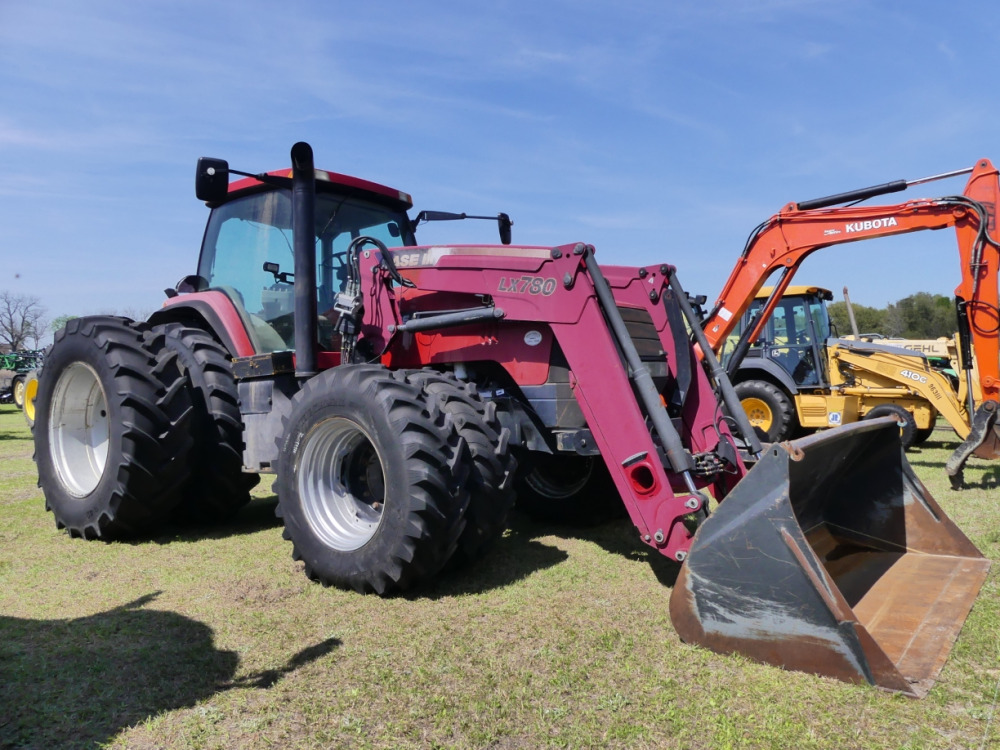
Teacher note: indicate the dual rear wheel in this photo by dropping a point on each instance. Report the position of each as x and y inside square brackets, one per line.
[112, 429]
[386, 476]
[136, 424]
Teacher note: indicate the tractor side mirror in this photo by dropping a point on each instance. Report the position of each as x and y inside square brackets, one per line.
[190, 284]
[504, 223]
[211, 181]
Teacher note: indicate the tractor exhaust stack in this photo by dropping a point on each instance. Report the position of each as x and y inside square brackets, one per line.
[831, 557]
[304, 246]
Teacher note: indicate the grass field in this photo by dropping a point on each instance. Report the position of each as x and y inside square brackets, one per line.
[213, 638]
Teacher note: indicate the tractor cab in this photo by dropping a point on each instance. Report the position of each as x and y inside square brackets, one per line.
[247, 251]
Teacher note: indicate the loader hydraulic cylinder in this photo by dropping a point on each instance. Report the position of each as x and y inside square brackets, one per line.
[716, 371]
[680, 460]
[965, 342]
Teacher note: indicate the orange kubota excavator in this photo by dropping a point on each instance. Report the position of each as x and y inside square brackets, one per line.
[784, 241]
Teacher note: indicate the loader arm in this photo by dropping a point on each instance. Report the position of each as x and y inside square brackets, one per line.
[565, 296]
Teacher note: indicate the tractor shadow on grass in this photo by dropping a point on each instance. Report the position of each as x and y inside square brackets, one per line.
[520, 553]
[618, 537]
[79, 682]
[256, 516]
[514, 557]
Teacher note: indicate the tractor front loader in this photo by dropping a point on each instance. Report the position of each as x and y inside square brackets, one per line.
[403, 394]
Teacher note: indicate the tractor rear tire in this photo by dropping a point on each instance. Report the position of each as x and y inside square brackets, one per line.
[218, 488]
[17, 390]
[769, 409]
[907, 425]
[112, 429]
[568, 489]
[371, 480]
[491, 480]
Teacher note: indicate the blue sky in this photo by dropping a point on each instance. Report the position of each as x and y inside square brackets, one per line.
[657, 131]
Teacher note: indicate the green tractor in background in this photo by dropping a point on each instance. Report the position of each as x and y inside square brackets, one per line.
[23, 386]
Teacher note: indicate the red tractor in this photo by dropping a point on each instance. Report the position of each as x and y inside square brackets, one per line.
[404, 394]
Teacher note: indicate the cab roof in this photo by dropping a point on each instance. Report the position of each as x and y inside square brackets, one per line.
[331, 181]
[797, 291]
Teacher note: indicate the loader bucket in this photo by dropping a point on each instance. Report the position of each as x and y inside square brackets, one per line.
[831, 557]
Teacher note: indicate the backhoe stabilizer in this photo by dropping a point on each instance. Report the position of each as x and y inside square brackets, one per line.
[982, 440]
[831, 557]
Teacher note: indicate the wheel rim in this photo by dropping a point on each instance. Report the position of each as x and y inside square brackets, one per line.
[79, 429]
[19, 393]
[341, 484]
[30, 392]
[758, 412]
[560, 478]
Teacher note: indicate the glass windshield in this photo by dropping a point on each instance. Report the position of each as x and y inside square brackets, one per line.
[788, 337]
[821, 319]
[246, 233]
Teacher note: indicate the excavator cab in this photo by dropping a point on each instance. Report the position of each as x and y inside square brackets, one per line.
[793, 337]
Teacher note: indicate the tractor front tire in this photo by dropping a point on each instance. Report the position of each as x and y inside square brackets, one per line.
[111, 429]
[769, 410]
[17, 390]
[491, 480]
[371, 480]
[568, 489]
[907, 425]
[218, 487]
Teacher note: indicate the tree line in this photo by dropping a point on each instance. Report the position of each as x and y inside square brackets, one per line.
[24, 320]
[920, 316]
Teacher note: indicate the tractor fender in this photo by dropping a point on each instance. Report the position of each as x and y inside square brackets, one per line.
[758, 368]
[211, 311]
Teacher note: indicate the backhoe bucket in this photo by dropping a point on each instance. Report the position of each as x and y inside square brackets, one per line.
[831, 557]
